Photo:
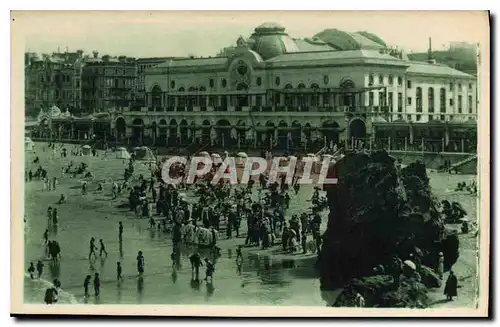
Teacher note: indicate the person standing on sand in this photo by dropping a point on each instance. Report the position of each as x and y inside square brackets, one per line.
[450, 289]
[210, 270]
[31, 270]
[119, 271]
[440, 265]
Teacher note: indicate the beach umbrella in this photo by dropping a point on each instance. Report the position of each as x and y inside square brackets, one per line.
[215, 155]
[242, 155]
[410, 264]
[86, 147]
[204, 153]
[311, 155]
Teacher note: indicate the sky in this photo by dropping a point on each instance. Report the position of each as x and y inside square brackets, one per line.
[163, 34]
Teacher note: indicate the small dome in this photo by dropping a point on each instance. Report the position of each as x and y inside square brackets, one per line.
[54, 111]
[270, 40]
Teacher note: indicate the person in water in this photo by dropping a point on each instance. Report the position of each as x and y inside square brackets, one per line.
[86, 283]
[120, 231]
[97, 284]
[46, 237]
[92, 248]
[210, 270]
[102, 249]
[39, 268]
[31, 270]
[140, 263]
[119, 271]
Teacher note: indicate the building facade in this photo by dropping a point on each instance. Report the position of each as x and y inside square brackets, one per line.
[271, 89]
[140, 87]
[107, 83]
[53, 79]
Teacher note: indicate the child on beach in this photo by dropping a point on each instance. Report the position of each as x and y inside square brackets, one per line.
[39, 268]
[86, 285]
[97, 284]
[31, 270]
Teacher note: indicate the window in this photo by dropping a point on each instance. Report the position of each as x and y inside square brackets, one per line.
[469, 104]
[172, 84]
[430, 98]
[390, 100]
[451, 86]
[442, 117]
[370, 79]
[211, 82]
[431, 117]
[451, 102]
[381, 99]
[419, 99]
[408, 117]
[408, 84]
[224, 82]
[459, 104]
[459, 87]
[277, 81]
[259, 81]
[418, 117]
[391, 80]
[442, 100]
[400, 102]
[381, 79]
[370, 99]
[400, 81]
[470, 86]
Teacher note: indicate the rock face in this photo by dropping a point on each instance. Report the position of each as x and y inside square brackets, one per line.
[378, 211]
[378, 291]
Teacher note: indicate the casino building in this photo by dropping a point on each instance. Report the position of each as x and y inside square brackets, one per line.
[271, 90]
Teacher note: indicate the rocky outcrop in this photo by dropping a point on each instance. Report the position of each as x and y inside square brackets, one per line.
[378, 211]
[379, 291]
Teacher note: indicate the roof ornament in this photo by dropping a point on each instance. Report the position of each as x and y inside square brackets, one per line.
[241, 42]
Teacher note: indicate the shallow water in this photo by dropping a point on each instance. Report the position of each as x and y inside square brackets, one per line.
[261, 280]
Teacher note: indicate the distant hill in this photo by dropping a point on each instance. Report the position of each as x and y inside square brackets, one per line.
[464, 61]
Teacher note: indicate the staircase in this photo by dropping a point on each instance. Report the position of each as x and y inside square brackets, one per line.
[456, 166]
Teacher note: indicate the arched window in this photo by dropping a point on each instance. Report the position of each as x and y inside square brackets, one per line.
[418, 99]
[288, 96]
[430, 98]
[301, 97]
[442, 100]
[469, 104]
[156, 95]
[370, 79]
[182, 99]
[315, 95]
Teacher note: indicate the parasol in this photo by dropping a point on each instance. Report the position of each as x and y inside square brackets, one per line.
[242, 155]
[410, 264]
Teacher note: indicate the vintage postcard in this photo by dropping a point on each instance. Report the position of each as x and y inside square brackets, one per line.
[306, 164]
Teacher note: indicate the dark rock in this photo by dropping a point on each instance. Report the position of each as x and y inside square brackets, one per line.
[379, 291]
[378, 211]
[429, 278]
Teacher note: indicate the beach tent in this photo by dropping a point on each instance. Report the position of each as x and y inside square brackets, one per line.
[86, 149]
[29, 145]
[144, 153]
[122, 153]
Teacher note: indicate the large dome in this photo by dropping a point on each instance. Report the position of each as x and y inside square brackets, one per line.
[270, 40]
[342, 40]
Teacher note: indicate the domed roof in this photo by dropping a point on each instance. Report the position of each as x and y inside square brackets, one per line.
[54, 111]
[270, 40]
[342, 40]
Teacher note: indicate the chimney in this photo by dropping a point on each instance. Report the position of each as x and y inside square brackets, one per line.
[429, 55]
